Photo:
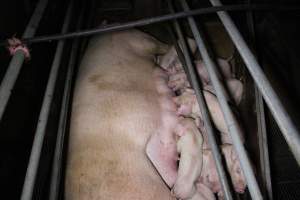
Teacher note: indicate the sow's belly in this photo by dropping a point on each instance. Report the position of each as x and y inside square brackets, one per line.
[115, 111]
[109, 132]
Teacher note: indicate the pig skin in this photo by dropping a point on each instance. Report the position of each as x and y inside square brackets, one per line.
[115, 110]
[234, 167]
[209, 176]
[178, 79]
[175, 132]
[170, 59]
[234, 87]
[188, 106]
[189, 146]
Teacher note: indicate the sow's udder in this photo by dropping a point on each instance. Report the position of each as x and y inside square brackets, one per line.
[177, 138]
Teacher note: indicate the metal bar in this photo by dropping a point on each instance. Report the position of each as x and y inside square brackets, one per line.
[34, 159]
[60, 139]
[260, 115]
[163, 18]
[232, 125]
[16, 62]
[89, 23]
[282, 118]
[263, 144]
[192, 73]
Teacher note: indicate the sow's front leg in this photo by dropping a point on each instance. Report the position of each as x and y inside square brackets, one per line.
[189, 146]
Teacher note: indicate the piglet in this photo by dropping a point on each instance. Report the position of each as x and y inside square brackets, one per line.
[175, 136]
[178, 79]
[234, 168]
[188, 106]
[209, 175]
[203, 193]
[234, 88]
[171, 60]
[225, 70]
[189, 146]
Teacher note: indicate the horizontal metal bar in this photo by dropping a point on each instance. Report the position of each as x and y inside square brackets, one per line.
[16, 62]
[281, 116]
[232, 125]
[163, 18]
[192, 73]
[62, 126]
[36, 150]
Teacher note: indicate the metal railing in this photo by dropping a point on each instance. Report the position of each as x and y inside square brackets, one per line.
[192, 74]
[232, 125]
[281, 116]
[16, 62]
[44, 114]
[57, 165]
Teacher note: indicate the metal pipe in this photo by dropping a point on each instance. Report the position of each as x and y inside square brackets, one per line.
[60, 139]
[34, 159]
[282, 118]
[192, 73]
[260, 116]
[152, 20]
[232, 125]
[16, 62]
[263, 144]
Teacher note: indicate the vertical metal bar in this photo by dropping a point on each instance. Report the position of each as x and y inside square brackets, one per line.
[282, 118]
[15, 65]
[60, 140]
[43, 117]
[232, 125]
[263, 143]
[192, 73]
[260, 115]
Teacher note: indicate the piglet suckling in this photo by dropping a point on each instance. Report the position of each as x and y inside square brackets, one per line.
[176, 81]
[176, 139]
[188, 106]
[189, 146]
[233, 87]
